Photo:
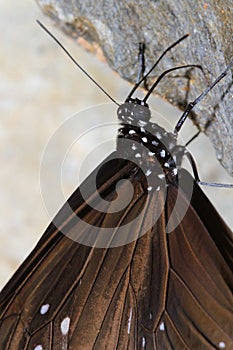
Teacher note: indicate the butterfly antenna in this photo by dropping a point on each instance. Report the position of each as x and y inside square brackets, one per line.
[199, 98]
[76, 63]
[155, 64]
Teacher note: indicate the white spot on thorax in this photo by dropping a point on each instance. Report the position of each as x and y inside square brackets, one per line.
[142, 129]
[151, 153]
[141, 123]
[174, 171]
[162, 153]
[166, 165]
[150, 316]
[44, 308]
[129, 320]
[222, 345]
[162, 326]
[38, 347]
[131, 132]
[144, 139]
[65, 325]
[148, 172]
[155, 143]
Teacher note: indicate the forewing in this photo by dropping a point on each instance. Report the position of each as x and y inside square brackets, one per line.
[70, 296]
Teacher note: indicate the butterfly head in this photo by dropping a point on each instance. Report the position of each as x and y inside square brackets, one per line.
[134, 110]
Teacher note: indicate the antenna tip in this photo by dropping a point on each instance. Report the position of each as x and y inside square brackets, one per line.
[40, 24]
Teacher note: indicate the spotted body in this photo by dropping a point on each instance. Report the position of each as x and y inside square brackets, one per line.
[151, 144]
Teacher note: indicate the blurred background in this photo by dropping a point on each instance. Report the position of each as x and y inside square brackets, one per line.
[40, 89]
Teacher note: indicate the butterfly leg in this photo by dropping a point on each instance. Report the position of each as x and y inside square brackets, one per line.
[196, 176]
[193, 138]
[200, 98]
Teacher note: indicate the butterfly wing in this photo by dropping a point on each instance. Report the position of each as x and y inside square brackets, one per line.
[158, 291]
[199, 297]
[73, 282]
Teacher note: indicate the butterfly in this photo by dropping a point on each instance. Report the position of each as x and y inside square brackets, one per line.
[142, 260]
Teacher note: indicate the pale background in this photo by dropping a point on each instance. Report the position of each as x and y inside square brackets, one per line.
[39, 89]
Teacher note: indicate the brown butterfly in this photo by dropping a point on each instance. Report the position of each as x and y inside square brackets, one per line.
[153, 274]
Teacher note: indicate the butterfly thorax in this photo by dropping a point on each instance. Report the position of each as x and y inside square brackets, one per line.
[150, 145]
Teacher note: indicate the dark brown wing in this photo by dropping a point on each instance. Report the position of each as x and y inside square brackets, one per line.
[161, 291]
[199, 298]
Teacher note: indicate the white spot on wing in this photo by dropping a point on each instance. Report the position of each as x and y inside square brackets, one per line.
[144, 139]
[129, 320]
[131, 132]
[137, 155]
[143, 342]
[44, 308]
[222, 345]
[148, 172]
[162, 326]
[38, 347]
[65, 325]
[149, 188]
[134, 147]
